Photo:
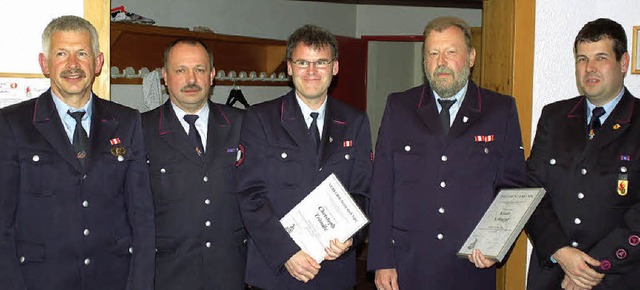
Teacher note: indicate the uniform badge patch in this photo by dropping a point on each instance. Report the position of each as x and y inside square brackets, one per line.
[623, 184]
[347, 143]
[240, 155]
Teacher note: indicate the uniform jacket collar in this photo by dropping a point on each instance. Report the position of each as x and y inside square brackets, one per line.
[469, 112]
[48, 123]
[616, 124]
[170, 130]
[335, 124]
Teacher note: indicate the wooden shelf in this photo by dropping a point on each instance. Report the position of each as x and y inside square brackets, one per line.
[138, 46]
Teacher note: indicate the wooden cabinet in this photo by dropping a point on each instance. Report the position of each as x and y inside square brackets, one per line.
[138, 46]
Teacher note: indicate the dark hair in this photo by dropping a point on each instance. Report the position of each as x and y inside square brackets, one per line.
[314, 36]
[600, 28]
[441, 23]
[188, 40]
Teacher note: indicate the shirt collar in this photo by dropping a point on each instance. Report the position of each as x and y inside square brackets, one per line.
[608, 107]
[63, 108]
[459, 97]
[203, 113]
[306, 110]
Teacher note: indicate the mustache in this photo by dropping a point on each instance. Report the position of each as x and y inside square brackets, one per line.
[76, 71]
[443, 69]
[191, 87]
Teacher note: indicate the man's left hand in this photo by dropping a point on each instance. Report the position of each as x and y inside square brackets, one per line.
[478, 259]
[336, 248]
[567, 284]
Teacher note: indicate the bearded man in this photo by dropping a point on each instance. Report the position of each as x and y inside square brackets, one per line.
[444, 150]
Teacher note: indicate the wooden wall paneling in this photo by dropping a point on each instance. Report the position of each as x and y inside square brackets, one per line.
[350, 85]
[97, 12]
[476, 41]
[138, 46]
[507, 67]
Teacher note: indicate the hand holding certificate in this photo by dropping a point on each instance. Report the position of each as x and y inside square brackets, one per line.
[502, 222]
[327, 213]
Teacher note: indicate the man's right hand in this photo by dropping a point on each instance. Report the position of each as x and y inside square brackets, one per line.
[576, 265]
[387, 279]
[302, 267]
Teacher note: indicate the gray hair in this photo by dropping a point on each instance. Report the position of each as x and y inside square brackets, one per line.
[69, 23]
[441, 23]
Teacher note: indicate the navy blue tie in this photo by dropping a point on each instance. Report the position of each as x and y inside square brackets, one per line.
[594, 123]
[445, 116]
[80, 139]
[194, 136]
[313, 130]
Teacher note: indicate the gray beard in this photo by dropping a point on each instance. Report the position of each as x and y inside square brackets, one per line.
[446, 91]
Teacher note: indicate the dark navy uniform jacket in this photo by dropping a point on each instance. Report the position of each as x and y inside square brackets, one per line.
[199, 233]
[430, 190]
[593, 192]
[279, 168]
[64, 227]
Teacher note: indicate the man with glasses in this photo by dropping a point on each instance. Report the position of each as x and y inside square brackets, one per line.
[288, 147]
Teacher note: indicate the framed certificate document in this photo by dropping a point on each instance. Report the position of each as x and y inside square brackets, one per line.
[502, 222]
[327, 213]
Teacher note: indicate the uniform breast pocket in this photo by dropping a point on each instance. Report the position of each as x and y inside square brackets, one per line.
[621, 177]
[116, 162]
[404, 158]
[167, 182]
[284, 165]
[342, 163]
[42, 170]
[482, 156]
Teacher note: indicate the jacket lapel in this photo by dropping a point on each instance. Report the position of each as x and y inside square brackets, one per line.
[617, 123]
[218, 130]
[48, 123]
[293, 122]
[576, 127]
[103, 128]
[428, 111]
[469, 112]
[170, 130]
[333, 133]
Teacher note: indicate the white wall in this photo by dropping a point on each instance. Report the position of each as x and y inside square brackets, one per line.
[389, 70]
[21, 29]
[259, 18]
[557, 23]
[402, 20]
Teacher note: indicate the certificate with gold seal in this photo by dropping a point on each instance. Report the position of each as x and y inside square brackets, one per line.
[502, 222]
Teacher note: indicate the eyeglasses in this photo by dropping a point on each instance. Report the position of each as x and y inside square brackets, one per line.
[303, 63]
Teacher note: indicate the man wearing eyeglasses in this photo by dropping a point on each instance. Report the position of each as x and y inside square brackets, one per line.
[288, 146]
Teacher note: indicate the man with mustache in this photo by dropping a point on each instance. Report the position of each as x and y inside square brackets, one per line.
[75, 200]
[444, 150]
[192, 144]
[586, 231]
